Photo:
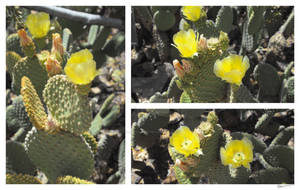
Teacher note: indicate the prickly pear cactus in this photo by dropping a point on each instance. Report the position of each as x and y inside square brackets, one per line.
[53, 113]
[209, 153]
[196, 54]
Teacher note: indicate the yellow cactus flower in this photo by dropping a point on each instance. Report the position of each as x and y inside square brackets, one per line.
[237, 153]
[185, 141]
[192, 13]
[81, 68]
[186, 42]
[232, 68]
[38, 24]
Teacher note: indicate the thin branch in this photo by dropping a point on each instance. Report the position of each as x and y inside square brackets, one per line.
[79, 16]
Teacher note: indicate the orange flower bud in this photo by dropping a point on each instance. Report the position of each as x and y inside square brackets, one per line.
[25, 40]
[178, 67]
[52, 66]
[57, 44]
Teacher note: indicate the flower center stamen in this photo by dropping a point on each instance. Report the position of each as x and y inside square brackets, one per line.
[238, 157]
[186, 143]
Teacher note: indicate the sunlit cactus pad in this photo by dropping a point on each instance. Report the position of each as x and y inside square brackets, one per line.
[67, 106]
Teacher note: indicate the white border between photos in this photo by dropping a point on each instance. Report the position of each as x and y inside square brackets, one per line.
[129, 105]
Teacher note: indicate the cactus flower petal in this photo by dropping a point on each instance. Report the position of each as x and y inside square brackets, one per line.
[232, 68]
[38, 24]
[192, 13]
[186, 42]
[81, 68]
[237, 153]
[185, 141]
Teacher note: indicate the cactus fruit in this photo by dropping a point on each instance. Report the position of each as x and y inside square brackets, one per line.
[21, 179]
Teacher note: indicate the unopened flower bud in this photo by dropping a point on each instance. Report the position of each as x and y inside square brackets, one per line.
[26, 43]
[186, 65]
[178, 67]
[202, 43]
[57, 44]
[52, 66]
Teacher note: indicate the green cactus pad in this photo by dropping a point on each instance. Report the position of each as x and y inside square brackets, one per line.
[192, 117]
[290, 84]
[272, 176]
[221, 174]
[31, 68]
[70, 109]
[183, 178]
[13, 44]
[33, 104]
[121, 162]
[268, 82]
[209, 145]
[72, 180]
[12, 123]
[173, 91]
[164, 19]
[11, 59]
[17, 158]
[201, 83]
[265, 125]
[59, 154]
[255, 18]
[284, 136]
[224, 19]
[280, 156]
[21, 179]
[20, 113]
[243, 95]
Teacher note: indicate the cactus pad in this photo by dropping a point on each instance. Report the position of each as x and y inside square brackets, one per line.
[67, 106]
[71, 180]
[272, 176]
[13, 44]
[59, 154]
[11, 59]
[17, 158]
[21, 179]
[31, 68]
[33, 104]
